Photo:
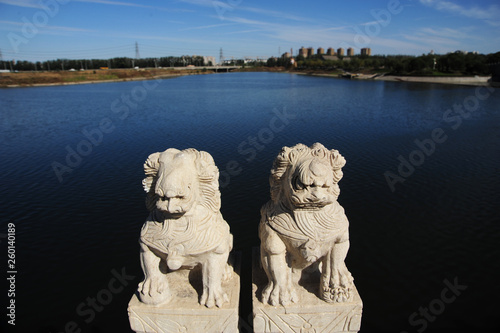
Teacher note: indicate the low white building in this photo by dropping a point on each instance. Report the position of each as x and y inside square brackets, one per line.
[209, 59]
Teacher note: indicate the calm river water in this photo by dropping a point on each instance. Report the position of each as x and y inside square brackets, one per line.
[78, 204]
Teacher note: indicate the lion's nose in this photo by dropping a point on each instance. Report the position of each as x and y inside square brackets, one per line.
[173, 206]
[313, 198]
[314, 195]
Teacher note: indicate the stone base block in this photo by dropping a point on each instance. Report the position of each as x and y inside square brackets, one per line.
[183, 313]
[310, 314]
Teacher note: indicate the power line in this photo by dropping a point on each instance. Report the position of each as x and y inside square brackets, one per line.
[149, 51]
[76, 51]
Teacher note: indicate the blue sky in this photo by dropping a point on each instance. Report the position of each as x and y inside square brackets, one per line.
[75, 29]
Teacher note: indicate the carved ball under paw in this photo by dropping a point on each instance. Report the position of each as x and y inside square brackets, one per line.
[336, 294]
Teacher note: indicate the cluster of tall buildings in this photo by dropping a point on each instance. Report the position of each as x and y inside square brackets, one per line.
[329, 52]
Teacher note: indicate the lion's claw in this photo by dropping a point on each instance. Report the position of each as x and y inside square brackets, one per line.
[210, 298]
[153, 290]
[338, 288]
[276, 295]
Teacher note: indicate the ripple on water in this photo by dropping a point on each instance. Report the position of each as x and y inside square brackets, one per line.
[441, 222]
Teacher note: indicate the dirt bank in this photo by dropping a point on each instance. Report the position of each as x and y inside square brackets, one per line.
[33, 79]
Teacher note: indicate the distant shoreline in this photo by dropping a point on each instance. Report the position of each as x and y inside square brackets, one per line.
[92, 82]
[36, 79]
[455, 80]
[66, 78]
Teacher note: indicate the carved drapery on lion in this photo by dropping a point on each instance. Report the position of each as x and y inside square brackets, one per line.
[303, 224]
[185, 227]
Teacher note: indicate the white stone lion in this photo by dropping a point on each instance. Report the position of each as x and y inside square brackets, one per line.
[303, 224]
[185, 227]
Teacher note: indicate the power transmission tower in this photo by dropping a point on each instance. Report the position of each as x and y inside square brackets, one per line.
[221, 56]
[137, 56]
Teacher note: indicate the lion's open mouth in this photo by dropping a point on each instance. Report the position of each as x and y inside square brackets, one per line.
[310, 206]
[174, 215]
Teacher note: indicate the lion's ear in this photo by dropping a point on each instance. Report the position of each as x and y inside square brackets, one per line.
[281, 163]
[336, 160]
[206, 165]
[151, 170]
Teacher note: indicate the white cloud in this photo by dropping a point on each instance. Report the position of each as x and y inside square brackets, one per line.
[432, 41]
[491, 13]
[129, 4]
[206, 26]
[226, 6]
[276, 14]
[206, 3]
[444, 32]
[22, 3]
[242, 31]
[243, 20]
[40, 4]
[493, 23]
[443, 39]
[48, 27]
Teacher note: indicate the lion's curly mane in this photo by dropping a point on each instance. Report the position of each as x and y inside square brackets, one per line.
[208, 176]
[289, 158]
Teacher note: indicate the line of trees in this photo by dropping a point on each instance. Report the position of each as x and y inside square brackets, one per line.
[120, 62]
[457, 63]
[242, 62]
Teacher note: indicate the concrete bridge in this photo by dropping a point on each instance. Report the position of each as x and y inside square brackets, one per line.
[211, 68]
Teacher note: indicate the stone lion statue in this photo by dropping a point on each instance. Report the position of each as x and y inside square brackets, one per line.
[185, 227]
[303, 224]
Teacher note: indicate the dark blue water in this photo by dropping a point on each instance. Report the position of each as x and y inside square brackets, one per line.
[71, 176]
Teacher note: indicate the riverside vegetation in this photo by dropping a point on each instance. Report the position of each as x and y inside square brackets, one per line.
[64, 71]
[451, 64]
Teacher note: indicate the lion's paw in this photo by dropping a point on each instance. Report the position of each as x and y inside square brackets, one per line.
[277, 295]
[339, 287]
[154, 290]
[211, 297]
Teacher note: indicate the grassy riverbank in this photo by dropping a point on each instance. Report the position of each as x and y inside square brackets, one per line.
[26, 79]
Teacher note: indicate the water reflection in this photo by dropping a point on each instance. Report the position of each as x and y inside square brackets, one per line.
[441, 222]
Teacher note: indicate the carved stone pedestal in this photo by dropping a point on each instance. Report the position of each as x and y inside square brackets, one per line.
[310, 314]
[183, 313]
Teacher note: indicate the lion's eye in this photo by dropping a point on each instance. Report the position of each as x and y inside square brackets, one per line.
[297, 184]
